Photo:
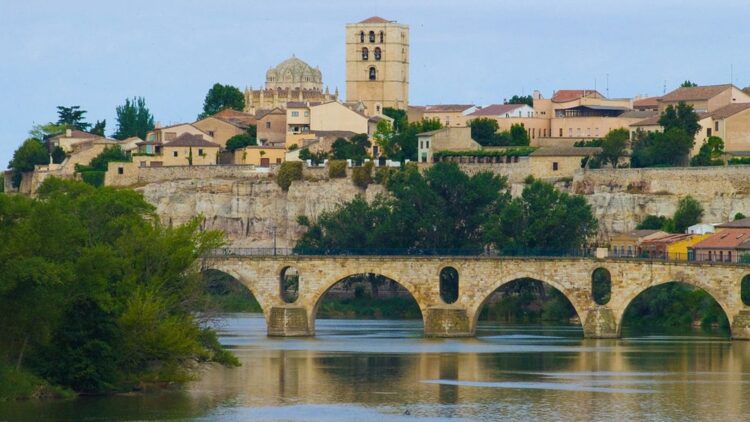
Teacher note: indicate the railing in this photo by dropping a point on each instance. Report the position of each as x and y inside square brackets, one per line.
[468, 252]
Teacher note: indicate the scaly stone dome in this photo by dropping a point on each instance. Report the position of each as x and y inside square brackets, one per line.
[294, 73]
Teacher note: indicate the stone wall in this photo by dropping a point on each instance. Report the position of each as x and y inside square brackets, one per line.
[515, 172]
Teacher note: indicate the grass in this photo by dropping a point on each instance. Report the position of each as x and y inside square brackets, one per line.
[23, 385]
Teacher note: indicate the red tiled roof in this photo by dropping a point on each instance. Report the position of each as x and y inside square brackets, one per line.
[728, 238]
[447, 107]
[190, 140]
[77, 134]
[375, 19]
[742, 223]
[666, 240]
[565, 95]
[729, 110]
[695, 93]
[646, 102]
[496, 109]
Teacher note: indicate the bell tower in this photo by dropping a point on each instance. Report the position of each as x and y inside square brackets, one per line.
[377, 64]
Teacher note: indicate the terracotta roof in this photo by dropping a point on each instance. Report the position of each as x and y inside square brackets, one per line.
[741, 223]
[432, 132]
[77, 134]
[695, 93]
[746, 90]
[653, 234]
[263, 113]
[375, 19]
[190, 140]
[646, 102]
[448, 107]
[236, 118]
[672, 238]
[496, 109]
[301, 104]
[565, 151]
[565, 95]
[726, 239]
[336, 133]
[638, 114]
[416, 107]
[654, 120]
[729, 110]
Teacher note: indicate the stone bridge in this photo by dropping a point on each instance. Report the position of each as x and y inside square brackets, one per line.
[478, 278]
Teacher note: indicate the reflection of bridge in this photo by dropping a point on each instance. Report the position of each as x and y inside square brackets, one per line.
[479, 277]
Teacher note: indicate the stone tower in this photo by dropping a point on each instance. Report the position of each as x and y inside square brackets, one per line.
[377, 64]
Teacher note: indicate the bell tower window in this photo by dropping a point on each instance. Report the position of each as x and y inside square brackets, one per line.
[377, 53]
[373, 73]
[366, 53]
[361, 36]
[372, 36]
[382, 36]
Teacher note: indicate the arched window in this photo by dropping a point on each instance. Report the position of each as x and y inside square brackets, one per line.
[289, 284]
[377, 53]
[362, 36]
[372, 36]
[382, 36]
[366, 53]
[373, 74]
[449, 285]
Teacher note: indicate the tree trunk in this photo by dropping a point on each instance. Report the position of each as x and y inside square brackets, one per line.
[20, 353]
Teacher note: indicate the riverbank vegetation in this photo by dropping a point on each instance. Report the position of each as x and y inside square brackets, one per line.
[96, 295]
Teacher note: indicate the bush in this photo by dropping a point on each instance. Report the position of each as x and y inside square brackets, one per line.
[336, 169]
[93, 177]
[362, 176]
[382, 174]
[240, 141]
[289, 172]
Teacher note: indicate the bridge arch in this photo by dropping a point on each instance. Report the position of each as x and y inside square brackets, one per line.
[237, 279]
[475, 309]
[627, 300]
[316, 298]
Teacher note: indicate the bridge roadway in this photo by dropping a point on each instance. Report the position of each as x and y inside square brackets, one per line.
[479, 277]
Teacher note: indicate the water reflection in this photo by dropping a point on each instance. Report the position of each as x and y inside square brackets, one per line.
[385, 370]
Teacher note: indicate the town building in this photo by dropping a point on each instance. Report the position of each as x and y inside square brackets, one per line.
[701, 228]
[261, 156]
[189, 150]
[508, 115]
[444, 139]
[271, 130]
[707, 98]
[449, 115]
[377, 64]
[225, 124]
[161, 135]
[70, 138]
[629, 244]
[290, 80]
[646, 104]
[555, 162]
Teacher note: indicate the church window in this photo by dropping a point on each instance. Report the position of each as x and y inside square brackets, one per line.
[361, 36]
[377, 53]
[372, 74]
[372, 36]
[365, 53]
[268, 125]
[382, 36]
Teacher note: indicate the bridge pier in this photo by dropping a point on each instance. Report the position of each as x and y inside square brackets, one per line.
[740, 329]
[288, 321]
[447, 322]
[600, 323]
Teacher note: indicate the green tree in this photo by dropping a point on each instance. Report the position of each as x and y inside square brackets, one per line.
[518, 135]
[400, 119]
[109, 154]
[681, 117]
[31, 153]
[352, 149]
[688, 84]
[133, 119]
[98, 128]
[739, 216]
[661, 149]
[613, 146]
[72, 117]
[240, 141]
[220, 97]
[689, 212]
[483, 130]
[710, 154]
[384, 138]
[654, 222]
[521, 99]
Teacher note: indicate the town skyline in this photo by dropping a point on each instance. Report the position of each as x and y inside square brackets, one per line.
[99, 72]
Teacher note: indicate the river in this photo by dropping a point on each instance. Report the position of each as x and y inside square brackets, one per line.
[356, 370]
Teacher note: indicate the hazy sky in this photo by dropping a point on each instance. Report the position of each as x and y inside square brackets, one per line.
[95, 53]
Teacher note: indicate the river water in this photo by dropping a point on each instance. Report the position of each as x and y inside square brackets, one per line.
[356, 370]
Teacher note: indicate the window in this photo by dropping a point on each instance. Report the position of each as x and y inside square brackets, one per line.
[120, 170]
[307, 114]
[372, 36]
[716, 126]
[278, 161]
[295, 114]
[427, 144]
[211, 133]
[377, 53]
[268, 125]
[382, 37]
[372, 74]
[708, 132]
[554, 166]
[362, 36]
[561, 132]
[365, 53]
[174, 154]
[533, 133]
[570, 132]
[200, 151]
[377, 108]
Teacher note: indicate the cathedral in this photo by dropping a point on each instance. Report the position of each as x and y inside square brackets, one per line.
[291, 80]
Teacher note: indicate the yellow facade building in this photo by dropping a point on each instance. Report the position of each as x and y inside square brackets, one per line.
[679, 250]
[261, 156]
[377, 64]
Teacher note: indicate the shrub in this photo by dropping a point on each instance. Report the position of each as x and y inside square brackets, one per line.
[336, 169]
[93, 177]
[362, 176]
[289, 172]
[382, 174]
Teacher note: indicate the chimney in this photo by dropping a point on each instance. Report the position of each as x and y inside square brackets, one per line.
[536, 95]
[68, 133]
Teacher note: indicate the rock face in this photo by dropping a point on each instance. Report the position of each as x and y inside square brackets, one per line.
[249, 211]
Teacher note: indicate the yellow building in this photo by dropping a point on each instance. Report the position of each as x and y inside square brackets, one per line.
[377, 64]
[679, 250]
[707, 98]
[225, 124]
[262, 156]
[188, 149]
[167, 133]
[553, 162]
[449, 115]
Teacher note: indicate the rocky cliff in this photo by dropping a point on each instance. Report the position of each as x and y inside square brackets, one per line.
[250, 210]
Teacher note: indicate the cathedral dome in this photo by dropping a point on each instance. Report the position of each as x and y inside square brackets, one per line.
[294, 73]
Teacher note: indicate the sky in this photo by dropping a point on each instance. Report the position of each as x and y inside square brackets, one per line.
[96, 54]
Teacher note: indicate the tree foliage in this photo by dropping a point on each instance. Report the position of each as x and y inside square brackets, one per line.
[96, 294]
[710, 154]
[445, 208]
[688, 84]
[133, 119]
[240, 141]
[521, 99]
[484, 131]
[99, 127]
[661, 149]
[72, 117]
[689, 212]
[220, 97]
[681, 117]
[289, 172]
[356, 148]
[398, 141]
[613, 146]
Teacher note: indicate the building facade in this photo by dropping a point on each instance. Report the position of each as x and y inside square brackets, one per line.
[377, 64]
